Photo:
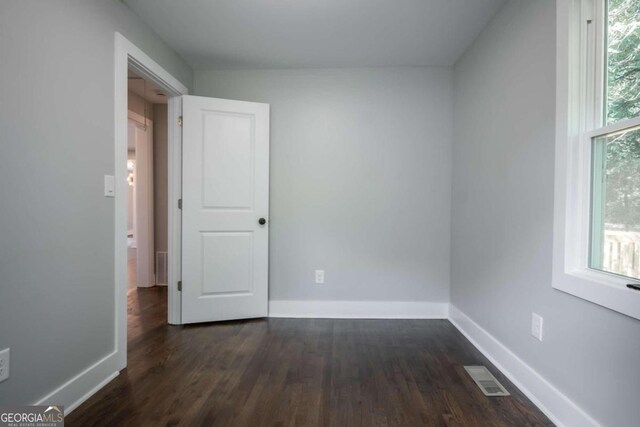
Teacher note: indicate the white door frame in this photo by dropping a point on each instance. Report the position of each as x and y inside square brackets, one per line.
[127, 55]
[143, 182]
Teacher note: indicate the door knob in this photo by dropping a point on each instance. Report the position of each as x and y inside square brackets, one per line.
[262, 221]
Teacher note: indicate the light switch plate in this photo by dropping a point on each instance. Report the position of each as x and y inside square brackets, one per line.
[536, 326]
[109, 186]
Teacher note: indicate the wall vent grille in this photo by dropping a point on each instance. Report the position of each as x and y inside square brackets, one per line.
[486, 381]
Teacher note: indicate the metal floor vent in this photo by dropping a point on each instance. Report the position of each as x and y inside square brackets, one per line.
[487, 382]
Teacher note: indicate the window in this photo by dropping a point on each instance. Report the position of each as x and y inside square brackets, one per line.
[597, 218]
[615, 197]
[615, 184]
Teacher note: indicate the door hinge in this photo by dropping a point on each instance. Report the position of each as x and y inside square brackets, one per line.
[179, 203]
[180, 121]
[179, 285]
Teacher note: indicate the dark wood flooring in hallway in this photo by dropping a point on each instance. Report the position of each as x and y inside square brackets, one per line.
[304, 372]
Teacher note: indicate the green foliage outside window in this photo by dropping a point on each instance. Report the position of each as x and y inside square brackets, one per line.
[622, 166]
[623, 60]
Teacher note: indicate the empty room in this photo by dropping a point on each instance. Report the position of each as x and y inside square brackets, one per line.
[320, 213]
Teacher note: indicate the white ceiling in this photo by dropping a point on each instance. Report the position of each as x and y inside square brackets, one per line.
[317, 33]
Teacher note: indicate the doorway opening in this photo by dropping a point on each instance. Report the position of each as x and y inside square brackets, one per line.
[131, 61]
[224, 237]
[147, 227]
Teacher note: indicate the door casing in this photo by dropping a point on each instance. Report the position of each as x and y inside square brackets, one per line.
[128, 55]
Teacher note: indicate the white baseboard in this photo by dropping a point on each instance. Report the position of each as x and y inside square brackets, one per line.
[358, 309]
[555, 405]
[72, 393]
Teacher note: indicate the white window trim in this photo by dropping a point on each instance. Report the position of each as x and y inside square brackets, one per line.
[577, 121]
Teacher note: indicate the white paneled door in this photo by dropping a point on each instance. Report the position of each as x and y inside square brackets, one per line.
[225, 206]
[140, 136]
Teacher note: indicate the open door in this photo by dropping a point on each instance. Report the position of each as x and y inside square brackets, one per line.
[225, 206]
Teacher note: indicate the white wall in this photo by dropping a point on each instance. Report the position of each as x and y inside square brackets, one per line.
[57, 142]
[360, 179]
[504, 103]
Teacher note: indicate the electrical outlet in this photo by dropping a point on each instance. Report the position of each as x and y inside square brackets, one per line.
[4, 364]
[319, 276]
[536, 326]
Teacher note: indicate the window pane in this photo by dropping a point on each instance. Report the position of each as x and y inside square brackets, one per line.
[623, 60]
[615, 223]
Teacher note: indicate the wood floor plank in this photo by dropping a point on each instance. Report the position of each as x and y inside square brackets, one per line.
[297, 372]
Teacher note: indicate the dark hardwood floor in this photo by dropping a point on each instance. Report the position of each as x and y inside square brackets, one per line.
[305, 372]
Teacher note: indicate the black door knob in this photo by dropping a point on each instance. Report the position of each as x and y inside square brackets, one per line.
[262, 221]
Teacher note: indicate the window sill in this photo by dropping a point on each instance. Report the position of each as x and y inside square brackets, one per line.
[607, 290]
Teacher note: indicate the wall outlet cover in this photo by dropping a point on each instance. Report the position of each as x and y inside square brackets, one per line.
[319, 276]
